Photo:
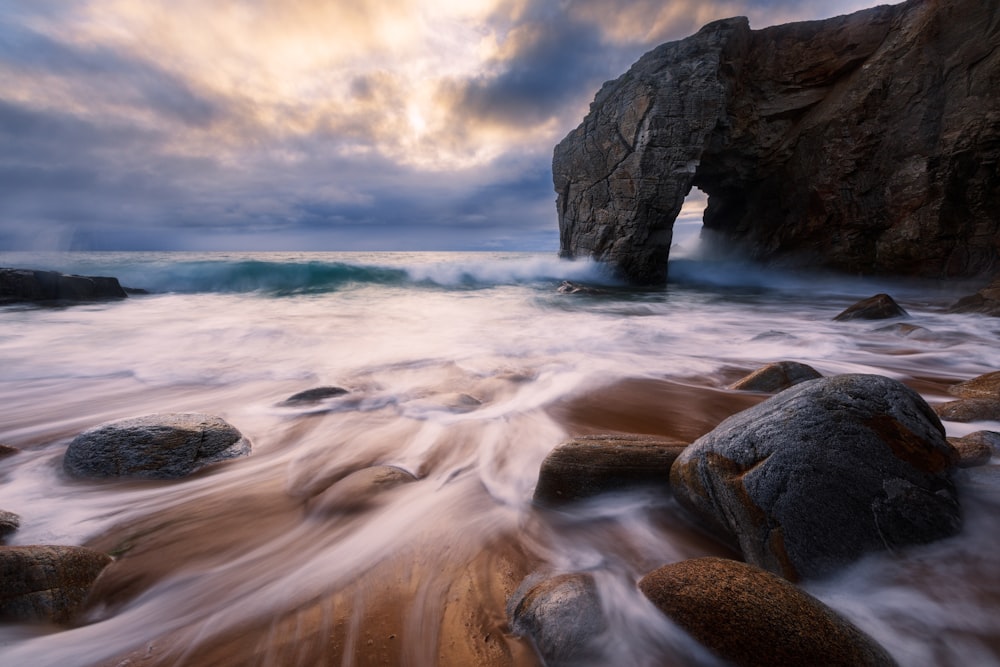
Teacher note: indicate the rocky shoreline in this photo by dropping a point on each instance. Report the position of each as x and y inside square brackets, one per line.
[767, 469]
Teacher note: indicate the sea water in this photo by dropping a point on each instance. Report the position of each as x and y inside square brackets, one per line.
[454, 364]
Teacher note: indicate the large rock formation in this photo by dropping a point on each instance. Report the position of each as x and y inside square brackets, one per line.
[866, 143]
[21, 285]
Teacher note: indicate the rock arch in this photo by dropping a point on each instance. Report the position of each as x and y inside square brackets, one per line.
[867, 143]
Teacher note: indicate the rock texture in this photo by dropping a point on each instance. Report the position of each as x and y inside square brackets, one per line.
[823, 473]
[776, 377]
[47, 583]
[563, 618]
[985, 301]
[900, 101]
[27, 285]
[975, 449]
[9, 522]
[969, 410]
[752, 618]
[158, 446]
[590, 465]
[983, 386]
[359, 490]
[878, 307]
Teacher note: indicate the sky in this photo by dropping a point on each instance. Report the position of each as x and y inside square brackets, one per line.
[311, 124]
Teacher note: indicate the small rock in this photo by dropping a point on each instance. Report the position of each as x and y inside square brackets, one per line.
[563, 617]
[776, 377]
[969, 410]
[47, 583]
[752, 618]
[983, 386]
[358, 490]
[8, 451]
[314, 395]
[568, 287]
[590, 465]
[823, 473]
[906, 330]
[974, 449]
[9, 522]
[158, 446]
[878, 307]
[985, 301]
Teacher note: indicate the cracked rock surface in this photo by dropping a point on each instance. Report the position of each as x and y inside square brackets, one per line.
[823, 473]
[866, 143]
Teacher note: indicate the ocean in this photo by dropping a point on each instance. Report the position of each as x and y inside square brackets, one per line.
[465, 369]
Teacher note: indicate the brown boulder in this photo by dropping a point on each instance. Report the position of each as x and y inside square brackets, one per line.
[358, 490]
[47, 583]
[775, 377]
[878, 307]
[590, 465]
[985, 301]
[969, 410]
[983, 386]
[975, 449]
[752, 618]
[314, 395]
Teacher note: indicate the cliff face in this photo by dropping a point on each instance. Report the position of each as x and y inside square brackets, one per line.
[867, 143]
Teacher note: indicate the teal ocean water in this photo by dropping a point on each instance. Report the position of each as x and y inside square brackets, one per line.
[456, 365]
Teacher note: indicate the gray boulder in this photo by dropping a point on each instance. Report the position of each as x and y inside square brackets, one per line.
[590, 465]
[158, 446]
[314, 395]
[563, 618]
[823, 473]
[47, 583]
[20, 285]
[752, 618]
[9, 522]
[776, 377]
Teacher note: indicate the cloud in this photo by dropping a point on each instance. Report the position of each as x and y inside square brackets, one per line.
[306, 123]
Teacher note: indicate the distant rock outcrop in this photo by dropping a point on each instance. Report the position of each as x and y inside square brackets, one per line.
[28, 285]
[867, 143]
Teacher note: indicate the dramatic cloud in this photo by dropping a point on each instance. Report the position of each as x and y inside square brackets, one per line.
[288, 124]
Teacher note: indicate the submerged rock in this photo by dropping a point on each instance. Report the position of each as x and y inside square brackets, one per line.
[969, 410]
[47, 583]
[878, 307]
[6, 450]
[823, 473]
[776, 377]
[28, 285]
[9, 522]
[358, 490]
[976, 449]
[590, 465]
[907, 181]
[563, 618]
[985, 301]
[158, 446]
[752, 618]
[983, 386]
[314, 395]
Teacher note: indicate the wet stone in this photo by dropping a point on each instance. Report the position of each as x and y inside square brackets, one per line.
[752, 618]
[47, 583]
[158, 446]
[9, 522]
[969, 410]
[590, 465]
[984, 386]
[878, 307]
[976, 449]
[563, 618]
[776, 377]
[359, 490]
[314, 395]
